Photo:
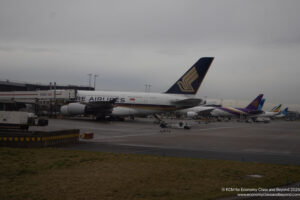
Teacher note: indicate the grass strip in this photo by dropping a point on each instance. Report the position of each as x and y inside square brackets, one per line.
[50, 173]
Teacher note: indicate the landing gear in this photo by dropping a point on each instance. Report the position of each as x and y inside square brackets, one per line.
[100, 118]
[115, 118]
[163, 124]
[109, 118]
[131, 117]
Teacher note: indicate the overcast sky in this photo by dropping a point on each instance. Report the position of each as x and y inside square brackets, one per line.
[256, 44]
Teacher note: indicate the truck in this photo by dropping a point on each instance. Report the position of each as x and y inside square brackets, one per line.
[20, 120]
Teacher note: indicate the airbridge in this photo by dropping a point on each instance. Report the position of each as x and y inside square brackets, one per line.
[44, 102]
[38, 95]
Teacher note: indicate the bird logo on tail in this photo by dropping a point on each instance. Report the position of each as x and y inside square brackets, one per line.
[185, 84]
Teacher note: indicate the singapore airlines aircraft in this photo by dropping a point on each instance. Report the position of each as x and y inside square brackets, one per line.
[120, 104]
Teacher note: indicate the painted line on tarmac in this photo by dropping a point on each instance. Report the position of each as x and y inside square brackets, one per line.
[122, 136]
[267, 151]
[225, 127]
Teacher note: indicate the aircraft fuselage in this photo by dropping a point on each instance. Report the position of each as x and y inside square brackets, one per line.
[134, 103]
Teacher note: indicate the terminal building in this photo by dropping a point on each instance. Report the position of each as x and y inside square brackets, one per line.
[18, 86]
[41, 99]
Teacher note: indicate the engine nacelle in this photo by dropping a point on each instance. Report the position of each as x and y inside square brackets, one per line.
[73, 109]
[121, 111]
[191, 114]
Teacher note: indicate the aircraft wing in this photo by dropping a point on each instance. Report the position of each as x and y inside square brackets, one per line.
[187, 103]
[98, 108]
[205, 112]
[100, 104]
[104, 107]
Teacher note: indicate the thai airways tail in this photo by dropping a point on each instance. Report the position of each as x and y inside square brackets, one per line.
[261, 104]
[255, 103]
[190, 82]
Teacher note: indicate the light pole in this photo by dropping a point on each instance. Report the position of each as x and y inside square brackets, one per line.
[147, 87]
[95, 76]
[90, 80]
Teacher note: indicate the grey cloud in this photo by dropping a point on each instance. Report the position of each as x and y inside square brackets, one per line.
[130, 43]
[148, 21]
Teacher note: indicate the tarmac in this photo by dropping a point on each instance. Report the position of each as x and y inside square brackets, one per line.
[274, 142]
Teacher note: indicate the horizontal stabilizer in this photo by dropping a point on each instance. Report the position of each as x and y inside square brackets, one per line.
[187, 103]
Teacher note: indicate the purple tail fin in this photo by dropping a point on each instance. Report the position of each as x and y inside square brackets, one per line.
[255, 103]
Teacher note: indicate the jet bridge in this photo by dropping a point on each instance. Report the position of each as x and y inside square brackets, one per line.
[42, 102]
[40, 95]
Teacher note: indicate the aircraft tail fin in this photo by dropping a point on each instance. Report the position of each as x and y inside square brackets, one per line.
[255, 103]
[276, 108]
[190, 82]
[261, 104]
[285, 111]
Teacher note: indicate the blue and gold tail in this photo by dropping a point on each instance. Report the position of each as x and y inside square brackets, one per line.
[190, 82]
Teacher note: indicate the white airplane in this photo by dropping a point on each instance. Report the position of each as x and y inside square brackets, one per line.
[283, 113]
[275, 111]
[121, 104]
[229, 112]
[219, 111]
[265, 116]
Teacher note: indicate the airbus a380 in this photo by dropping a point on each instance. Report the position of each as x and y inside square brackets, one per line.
[120, 104]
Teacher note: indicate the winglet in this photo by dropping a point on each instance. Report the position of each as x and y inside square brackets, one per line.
[254, 104]
[190, 82]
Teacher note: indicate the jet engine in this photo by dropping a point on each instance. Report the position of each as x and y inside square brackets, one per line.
[93, 108]
[191, 114]
[73, 109]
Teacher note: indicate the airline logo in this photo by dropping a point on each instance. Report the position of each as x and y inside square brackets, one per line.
[277, 109]
[255, 103]
[99, 98]
[185, 84]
